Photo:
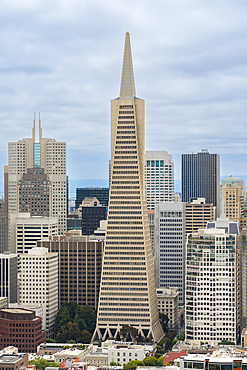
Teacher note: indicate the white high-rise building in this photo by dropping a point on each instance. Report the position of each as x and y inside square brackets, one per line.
[170, 241]
[159, 177]
[25, 231]
[8, 276]
[39, 283]
[46, 154]
[212, 310]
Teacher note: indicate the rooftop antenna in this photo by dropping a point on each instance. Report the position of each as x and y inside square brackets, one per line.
[40, 129]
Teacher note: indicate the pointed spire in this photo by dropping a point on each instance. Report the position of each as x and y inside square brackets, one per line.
[127, 90]
[40, 129]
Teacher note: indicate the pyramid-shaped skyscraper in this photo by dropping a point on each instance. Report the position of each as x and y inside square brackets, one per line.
[128, 291]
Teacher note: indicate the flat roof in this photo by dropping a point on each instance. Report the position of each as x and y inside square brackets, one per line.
[9, 358]
[15, 310]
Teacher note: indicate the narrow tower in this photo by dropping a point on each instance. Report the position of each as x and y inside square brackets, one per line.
[128, 291]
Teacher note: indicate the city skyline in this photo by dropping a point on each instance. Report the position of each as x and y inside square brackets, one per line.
[191, 73]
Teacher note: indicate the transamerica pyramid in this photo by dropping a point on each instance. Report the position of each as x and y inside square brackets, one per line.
[127, 291]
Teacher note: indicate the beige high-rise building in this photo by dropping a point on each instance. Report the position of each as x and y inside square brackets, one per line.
[198, 213]
[233, 199]
[127, 291]
[49, 155]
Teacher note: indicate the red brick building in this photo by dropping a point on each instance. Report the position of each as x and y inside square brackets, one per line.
[21, 328]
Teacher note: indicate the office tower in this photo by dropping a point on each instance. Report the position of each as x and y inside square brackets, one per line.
[170, 239]
[198, 213]
[168, 305]
[6, 186]
[34, 192]
[80, 264]
[4, 245]
[159, 177]
[233, 197]
[74, 222]
[212, 285]
[39, 283]
[102, 194]
[26, 230]
[151, 226]
[8, 277]
[91, 213]
[201, 178]
[22, 330]
[25, 157]
[127, 292]
[243, 278]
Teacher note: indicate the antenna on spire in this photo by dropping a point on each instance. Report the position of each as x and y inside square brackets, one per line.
[40, 129]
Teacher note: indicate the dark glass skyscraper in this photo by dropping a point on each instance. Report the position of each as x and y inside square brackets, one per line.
[201, 178]
[102, 194]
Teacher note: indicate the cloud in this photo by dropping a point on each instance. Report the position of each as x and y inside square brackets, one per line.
[63, 59]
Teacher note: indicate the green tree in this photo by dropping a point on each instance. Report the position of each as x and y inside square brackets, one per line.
[181, 336]
[72, 309]
[89, 316]
[150, 361]
[49, 340]
[115, 363]
[41, 363]
[86, 336]
[160, 361]
[174, 341]
[68, 332]
[164, 321]
[62, 318]
[128, 333]
[226, 342]
[132, 365]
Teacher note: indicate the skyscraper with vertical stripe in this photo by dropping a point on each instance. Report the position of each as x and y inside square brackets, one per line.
[128, 292]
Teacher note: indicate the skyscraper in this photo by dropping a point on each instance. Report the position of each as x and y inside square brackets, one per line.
[3, 228]
[159, 177]
[127, 291]
[42, 287]
[201, 178]
[43, 191]
[170, 239]
[212, 285]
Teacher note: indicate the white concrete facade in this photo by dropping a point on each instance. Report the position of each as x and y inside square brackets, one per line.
[25, 231]
[39, 283]
[159, 177]
[212, 310]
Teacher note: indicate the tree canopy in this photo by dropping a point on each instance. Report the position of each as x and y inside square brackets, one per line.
[74, 323]
[128, 333]
[132, 365]
[41, 363]
[164, 321]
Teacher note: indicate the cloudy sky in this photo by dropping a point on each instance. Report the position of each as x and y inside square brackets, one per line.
[63, 59]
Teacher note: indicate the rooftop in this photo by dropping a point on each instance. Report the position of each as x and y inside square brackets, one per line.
[11, 359]
[15, 310]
